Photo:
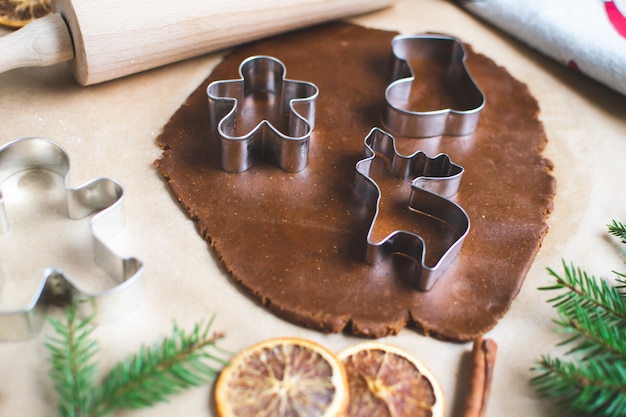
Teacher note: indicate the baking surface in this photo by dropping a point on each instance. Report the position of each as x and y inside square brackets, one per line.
[296, 242]
[109, 130]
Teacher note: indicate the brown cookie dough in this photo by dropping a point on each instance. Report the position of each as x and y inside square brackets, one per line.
[296, 242]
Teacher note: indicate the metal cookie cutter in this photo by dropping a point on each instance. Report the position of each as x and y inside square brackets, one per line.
[433, 181]
[451, 54]
[102, 196]
[282, 113]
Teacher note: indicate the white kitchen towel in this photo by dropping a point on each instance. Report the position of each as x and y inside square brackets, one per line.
[586, 35]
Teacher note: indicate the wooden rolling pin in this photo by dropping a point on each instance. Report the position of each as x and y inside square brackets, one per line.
[109, 39]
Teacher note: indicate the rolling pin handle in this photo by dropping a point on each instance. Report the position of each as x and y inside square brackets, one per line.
[45, 41]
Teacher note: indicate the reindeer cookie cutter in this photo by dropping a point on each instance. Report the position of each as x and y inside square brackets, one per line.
[100, 198]
[283, 110]
[433, 182]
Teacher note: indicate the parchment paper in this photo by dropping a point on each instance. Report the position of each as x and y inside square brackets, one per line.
[109, 131]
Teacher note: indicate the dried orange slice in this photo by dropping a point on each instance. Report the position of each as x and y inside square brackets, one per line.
[282, 377]
[386, 381]
[17, 13]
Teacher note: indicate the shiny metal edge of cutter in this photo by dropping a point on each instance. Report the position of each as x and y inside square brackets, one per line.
[433, 180]
[296, 101]
[101, 198]
[449, 51]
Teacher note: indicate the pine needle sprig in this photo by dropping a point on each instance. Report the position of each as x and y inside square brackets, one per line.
[152, 375]
[593, 335]
[593, 388]
[587, 291]
[155, 373]
[592, 314]
[72, 359]
[618, 229]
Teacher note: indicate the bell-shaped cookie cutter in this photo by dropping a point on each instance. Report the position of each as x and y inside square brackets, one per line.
[101, 198]
[286, 143]
[434, 180]
[450, 52]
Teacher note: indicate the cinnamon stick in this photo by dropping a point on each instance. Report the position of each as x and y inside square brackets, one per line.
[482, 364]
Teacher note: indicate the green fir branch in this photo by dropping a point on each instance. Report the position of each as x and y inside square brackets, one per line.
[590, 387]
[73, 368]
[618, 229]
[587, 291]
[592, 315]
[152, 375]
[170, 366]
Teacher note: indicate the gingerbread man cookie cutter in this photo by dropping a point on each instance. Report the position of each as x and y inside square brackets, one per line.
[433, 182]
[450, 53]
[100, 198]
[282, 111]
